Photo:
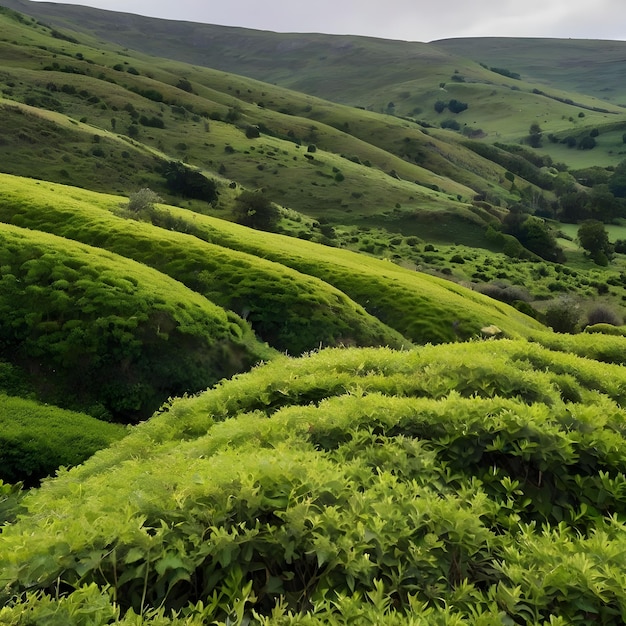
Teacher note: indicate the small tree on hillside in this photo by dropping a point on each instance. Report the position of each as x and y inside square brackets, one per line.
[142, 202]
[594, 239]
[534, 135]
[256, 210]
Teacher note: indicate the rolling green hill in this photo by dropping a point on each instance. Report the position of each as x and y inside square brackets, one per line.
[353, 414]
[584, 66]
[407, 75]
[93, 330]
[248, 272]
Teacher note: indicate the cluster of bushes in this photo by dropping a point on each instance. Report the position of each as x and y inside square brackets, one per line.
[94, 329]
[465, 483]
[516, 160]
[454, 106]
[188, 182]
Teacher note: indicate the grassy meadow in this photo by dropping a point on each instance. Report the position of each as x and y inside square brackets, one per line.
[325, 346]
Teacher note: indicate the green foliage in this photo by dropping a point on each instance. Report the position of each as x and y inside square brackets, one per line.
[35, 439]
[189, 183]
[504, 72]
[256, 210]
[534, 234]
[587, 143]
[92, 327]
[601, 314]
[288, 309]
[470, 483]
[617, 182]
[142, 202]
[563, 316]
[456, 106]
[154, 122]
[595, 240]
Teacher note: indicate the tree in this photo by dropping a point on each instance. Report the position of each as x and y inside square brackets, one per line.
[456, 106]
[533, 233]
[189, 183]
[536, 236]
[142, 201]
[256, 210]
[534, 135]
[617, 182]
[563, 316]
[587, 143]
[593, 237]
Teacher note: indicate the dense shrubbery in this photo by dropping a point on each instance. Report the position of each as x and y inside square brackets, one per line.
[189, 183]
[289, 310]
[35, 439]
[92, 327]
[515, 160]
[471, 483]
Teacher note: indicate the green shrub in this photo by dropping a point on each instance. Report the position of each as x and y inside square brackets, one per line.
[602, 314]
[35, 439]
[563, 317]
[96, 327]
[477, 483]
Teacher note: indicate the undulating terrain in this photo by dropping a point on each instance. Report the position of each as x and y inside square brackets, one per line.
[308, 329]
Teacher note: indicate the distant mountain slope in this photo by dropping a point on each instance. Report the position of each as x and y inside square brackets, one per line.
[594, 67]
[328, 66]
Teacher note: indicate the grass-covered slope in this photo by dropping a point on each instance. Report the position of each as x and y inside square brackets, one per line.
[297, 294]
[290, 310]
[589, 66]
[92, 329]
[402, 78]
[37, 439]
[101, 117]
[472, 483]
[422, 307]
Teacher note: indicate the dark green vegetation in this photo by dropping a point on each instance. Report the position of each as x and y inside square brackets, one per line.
[93, 330]
[471, 483]
[424, 450]
[36, 439]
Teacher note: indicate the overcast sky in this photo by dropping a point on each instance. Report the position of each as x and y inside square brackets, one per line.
[413, 20]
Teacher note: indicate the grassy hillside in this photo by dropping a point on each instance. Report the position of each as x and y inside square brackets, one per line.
[290, 310]
[347, 486]
[37, 439]
[94, 330]
[357, 418]
[403, 78]
[584, 66]
[282, 285]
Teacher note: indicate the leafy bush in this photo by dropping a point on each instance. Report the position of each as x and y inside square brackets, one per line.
[35, 439]
[602, 314]
[256, 210]
[351, 486]
[456, 106]
[451, 124]
[154, 122]
[189, 183]
[97, 328]
[142, 202]
[563, 317]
